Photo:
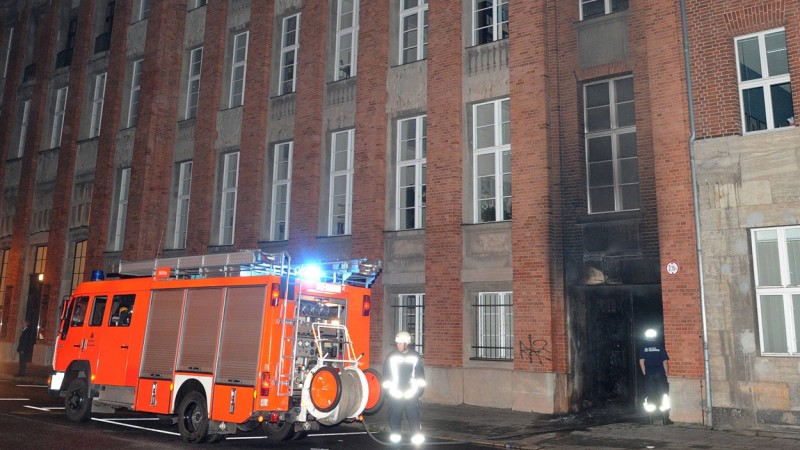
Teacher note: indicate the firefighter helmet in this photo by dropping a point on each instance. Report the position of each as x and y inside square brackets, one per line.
[403, 337]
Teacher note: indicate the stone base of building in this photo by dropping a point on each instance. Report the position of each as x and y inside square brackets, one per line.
[687, 397]
[544, 393]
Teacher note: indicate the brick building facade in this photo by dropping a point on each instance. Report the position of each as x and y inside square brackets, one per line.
[190, 127]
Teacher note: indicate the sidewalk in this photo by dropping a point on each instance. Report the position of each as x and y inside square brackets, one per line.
[504, 428]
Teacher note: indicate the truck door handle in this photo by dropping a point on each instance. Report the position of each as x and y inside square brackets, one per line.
[77, 345]
[123, 346]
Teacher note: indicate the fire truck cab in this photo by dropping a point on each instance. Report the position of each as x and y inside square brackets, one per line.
[220, 343]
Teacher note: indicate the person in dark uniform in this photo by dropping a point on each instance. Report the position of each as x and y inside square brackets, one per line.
[25, 347]
[404, 381]
[654, 362]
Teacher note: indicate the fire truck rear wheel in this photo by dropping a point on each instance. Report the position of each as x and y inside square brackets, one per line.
[193, 418]
[279, 431]
[77, 404]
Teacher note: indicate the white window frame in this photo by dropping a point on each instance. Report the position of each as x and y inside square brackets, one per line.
[136, 86]
[199, 3]
[23, 129]
[419, 165]
[182, 197]
[98, 99]
[58, 116]
[123, 191]
[608, 6]
[78, 263]
[193, 82]
[410, 309]
[238, 62]
[281, 190]
[144, 9]
[785, 289]
[345, 218]
[229, 193]
[420, 32]
[290, 47]
[614, 132]
[8, 51]
[342, 33]
[764, 83]
[501, 150]
[497, 26]
[494, 325]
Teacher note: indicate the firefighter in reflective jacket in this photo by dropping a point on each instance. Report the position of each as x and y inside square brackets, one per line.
[404, 381]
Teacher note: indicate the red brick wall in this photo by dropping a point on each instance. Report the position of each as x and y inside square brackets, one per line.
[44, 54]
[204, 161]
[537, 310]
[666, 93]
[103, 191]
[58, 247]
[444, 296]
[369, 191]
[711, 37]
[250, 195]
[309, 136]
[148, 204]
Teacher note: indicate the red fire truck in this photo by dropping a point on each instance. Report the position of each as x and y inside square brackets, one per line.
[220, 343]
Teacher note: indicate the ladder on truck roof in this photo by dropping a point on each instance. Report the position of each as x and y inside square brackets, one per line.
[353, 272]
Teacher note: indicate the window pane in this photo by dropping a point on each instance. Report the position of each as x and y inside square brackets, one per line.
[627, 145]
[630, 196]
[624, 89]
[782, 108]
[601, 174]
[749, 59]
[599, 149]
[619, 5]
[626, 114]
[505, 122]
[597, 95]
[598, 118]
[773, 324]
[755, 114]
[777, 62]
[768, 272]
[629, 170]
[593, 8]
[602, 199]
[793, 254]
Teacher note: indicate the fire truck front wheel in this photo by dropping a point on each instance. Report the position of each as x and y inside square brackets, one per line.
[77, 404]
[193, 418]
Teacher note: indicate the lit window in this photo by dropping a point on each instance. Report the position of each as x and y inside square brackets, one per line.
[58, 117]
[492, 161]
[413, 30]
[494, 331]
[489, 21]
[136, 84]
[182, 204]
[612, 164]
[341, 183]
[290, 46]
[227, 213]
[238, 69]
[411, 317]
[776, 261]
[411, 172]
[764, 85]
[597, 8]
[281, 191]
[193, 84]
[346, 38]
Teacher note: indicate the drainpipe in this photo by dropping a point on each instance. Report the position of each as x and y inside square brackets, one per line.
[690, 98]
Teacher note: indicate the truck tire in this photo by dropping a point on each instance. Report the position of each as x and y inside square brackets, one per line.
[279, 431]
[77, 404]
[193, 418]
